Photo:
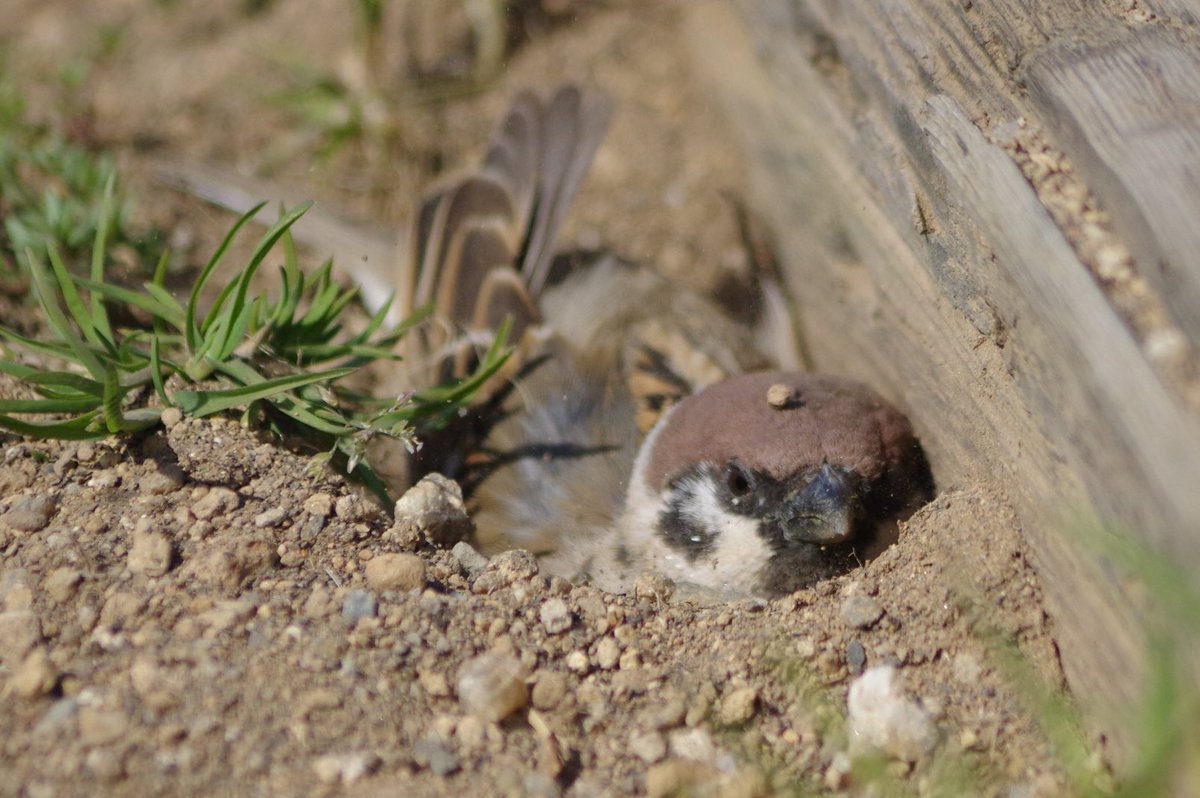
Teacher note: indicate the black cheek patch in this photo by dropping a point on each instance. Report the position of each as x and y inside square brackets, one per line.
[680, 530]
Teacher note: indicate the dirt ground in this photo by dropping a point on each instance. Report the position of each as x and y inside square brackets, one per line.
[194, 612]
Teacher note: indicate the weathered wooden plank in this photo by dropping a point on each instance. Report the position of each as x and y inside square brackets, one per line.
[1187, 11]
[923, 261]
[971, 51]
[1128, 114]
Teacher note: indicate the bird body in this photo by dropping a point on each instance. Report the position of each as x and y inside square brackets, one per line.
[644, 431]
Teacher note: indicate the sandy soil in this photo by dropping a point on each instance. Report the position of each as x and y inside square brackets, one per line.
[194, 612]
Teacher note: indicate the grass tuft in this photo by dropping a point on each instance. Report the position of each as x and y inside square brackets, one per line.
[247, 352]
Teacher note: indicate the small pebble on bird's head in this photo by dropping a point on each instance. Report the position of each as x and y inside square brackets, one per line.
[779, 395]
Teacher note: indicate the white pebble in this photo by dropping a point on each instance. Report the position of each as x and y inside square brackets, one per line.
[882, 717]
[555, 616]
[345, 768]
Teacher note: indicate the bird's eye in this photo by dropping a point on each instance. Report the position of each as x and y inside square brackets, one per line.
[738, 480]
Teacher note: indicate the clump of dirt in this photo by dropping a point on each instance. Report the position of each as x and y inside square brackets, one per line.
[197, 611]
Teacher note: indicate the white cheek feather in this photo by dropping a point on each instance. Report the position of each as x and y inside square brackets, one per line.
[739, 553]
[737, 558]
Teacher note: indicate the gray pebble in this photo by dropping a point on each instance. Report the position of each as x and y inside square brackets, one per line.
[166, 479]
[859, 612]
[218, 501]
[359, 604]
[856, 657]
[270, 518]
[471, 561]
[31, 513]
[312, 527]
[504, 569]
[435, 754]
[319, 504]
[59, 713]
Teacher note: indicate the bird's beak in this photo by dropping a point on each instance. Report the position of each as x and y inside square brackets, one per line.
[825, 511]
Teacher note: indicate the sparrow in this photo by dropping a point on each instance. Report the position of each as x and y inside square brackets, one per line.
[641, 427]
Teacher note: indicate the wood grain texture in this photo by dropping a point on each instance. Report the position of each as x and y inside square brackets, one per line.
[1128, 113]
[1185, 11]
[923, 261]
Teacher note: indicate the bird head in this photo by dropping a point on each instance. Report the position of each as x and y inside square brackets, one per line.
[766, 483]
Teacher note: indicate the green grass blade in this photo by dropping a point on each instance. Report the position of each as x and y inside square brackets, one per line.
[174, 313]
[329, 423]
[58, 320]
[58, 350]
[374, 324]
[99, 315]
[492, 360]
[192, 329]
[169, 312]
[265, 245]
[237, 331]
[78, 405]
[141, 418]
[75, 304]
[18, 370]
[318, 353]
[156, 373]
[113, 396]
[75, 429]
[204, 403]
[66, 379]
[292, 281]
[329, 305]
[160, 269]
